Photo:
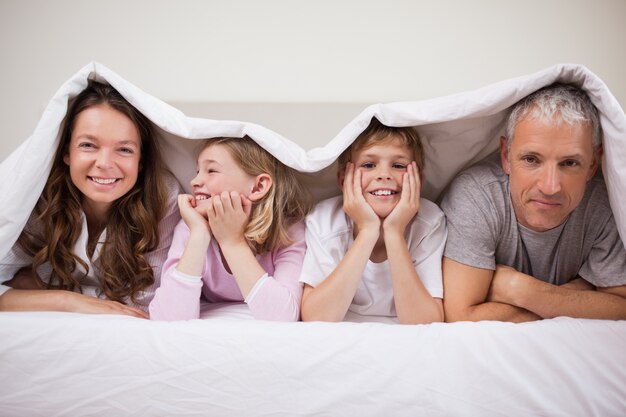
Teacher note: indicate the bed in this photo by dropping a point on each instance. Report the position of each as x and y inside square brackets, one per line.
[227, 364]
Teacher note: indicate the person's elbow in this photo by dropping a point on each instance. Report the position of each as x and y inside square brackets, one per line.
[311, 312]
[454, 312]
[286, 312]
[432, 313]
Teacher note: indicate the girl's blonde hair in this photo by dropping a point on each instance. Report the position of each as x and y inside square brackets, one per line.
[284, 204]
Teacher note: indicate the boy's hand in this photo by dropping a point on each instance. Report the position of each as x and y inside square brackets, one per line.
[229, 214]
[192, 214]
[354, 203]
[409, 203]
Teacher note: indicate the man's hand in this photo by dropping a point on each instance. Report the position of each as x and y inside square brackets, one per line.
[512, 287]
[575, 299]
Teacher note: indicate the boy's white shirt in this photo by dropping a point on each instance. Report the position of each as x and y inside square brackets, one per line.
[329, 235]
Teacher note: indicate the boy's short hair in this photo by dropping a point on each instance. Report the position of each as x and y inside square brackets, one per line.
[377, 133]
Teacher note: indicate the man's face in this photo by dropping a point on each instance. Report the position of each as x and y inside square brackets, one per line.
[549, 164]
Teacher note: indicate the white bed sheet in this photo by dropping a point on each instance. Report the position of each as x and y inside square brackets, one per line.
[62, 364]
[59, 364]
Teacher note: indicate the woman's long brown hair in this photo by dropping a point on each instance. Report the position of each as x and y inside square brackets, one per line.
[132, 224]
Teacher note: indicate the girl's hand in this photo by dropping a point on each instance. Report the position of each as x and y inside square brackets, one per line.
[409, 203]
[192, 214]
[229, 214]
[354, 203]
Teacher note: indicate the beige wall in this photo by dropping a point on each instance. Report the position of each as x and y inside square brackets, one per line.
[356, 51]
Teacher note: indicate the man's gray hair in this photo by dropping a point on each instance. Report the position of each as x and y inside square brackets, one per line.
[566, 102]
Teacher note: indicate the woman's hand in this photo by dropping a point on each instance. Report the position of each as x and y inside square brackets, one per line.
[229, 214]
[61, 300]
[354, 204]
[80, 303]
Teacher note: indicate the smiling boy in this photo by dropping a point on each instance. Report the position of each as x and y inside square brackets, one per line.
[376, 250]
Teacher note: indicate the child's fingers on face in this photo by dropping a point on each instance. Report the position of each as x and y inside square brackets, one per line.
[416, 174]
[246, 204]
[411, 179]
[417, 183]
[209, 211]
[347, 180]
[235, 201]
[356, 184]
[201, 210]
[183, 199]
[405, 195]
[227, 203]
[216, 206]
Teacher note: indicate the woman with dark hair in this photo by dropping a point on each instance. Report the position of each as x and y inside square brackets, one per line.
[103, 223]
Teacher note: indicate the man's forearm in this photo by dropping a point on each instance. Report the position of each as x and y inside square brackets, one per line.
[468, 296]
[497, 312]
[548, 301]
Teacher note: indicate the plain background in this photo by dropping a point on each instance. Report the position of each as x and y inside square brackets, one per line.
[281, 51]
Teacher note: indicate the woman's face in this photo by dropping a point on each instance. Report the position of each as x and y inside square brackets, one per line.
[103, 156]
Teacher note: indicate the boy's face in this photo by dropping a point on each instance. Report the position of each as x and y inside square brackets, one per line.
[382, 166]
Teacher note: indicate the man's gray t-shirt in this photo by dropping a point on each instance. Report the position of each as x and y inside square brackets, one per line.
[483, 231]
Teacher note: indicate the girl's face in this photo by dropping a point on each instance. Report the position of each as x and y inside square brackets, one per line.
[103, 157]
[218, 172]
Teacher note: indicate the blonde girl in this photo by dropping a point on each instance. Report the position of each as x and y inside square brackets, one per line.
[241, 237]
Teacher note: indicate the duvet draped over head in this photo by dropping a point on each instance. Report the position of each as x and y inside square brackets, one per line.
[457, 130]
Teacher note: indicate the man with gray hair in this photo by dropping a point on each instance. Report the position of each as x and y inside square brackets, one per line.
[531, 234]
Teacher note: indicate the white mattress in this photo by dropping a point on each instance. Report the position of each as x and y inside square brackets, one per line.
[62, 364]
[59, 364]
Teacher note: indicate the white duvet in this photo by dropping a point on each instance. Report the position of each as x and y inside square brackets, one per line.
[457, 130]
[54, 364]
